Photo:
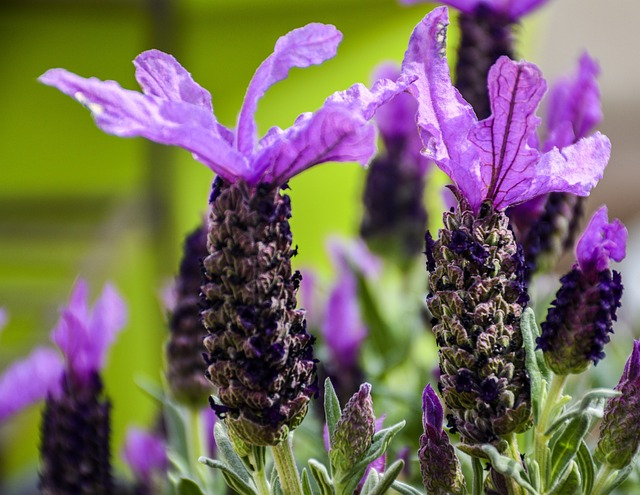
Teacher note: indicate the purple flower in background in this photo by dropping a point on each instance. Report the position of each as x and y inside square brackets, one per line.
[145, 453]
[514, 9]
[174, 110]
[580, 318]
[3, 318]
[492, 159]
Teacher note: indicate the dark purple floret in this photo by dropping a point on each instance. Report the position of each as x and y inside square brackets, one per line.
[429, 245]
[462, 243]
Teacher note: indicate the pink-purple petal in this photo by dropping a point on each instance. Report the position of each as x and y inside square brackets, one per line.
[444, 118]
[507, 160]
[108, 317]
[30, 380]
[573, 105]
[601, 242]
[302, 47]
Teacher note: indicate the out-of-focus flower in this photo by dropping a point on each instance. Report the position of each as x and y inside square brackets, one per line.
[579, 320]
[513, 9]
[145, 453]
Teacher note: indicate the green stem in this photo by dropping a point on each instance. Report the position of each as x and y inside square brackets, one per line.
[541, 440]
[286, 467]
[514, 453]
[602, 479]
[478, 476]
[196, 444]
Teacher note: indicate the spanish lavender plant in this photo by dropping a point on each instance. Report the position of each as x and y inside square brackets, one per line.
[477, 290]
[580, 318]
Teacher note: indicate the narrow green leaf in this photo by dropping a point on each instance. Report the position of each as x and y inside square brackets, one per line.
[622, 475]
[570, 484]
[587, 467]
[177, 431]
[306, 483]
[386, 480]
[404, 489]
[321, 475]
[379, 331]
[188, 487]
[231, 478]
[478, 476]
[370, 482]
[277, 488]
[567, 444]
[529, 330]
[228, 454]
[508, 467]
[332, 409]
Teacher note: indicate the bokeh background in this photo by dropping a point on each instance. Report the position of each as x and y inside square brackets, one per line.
[75, 201]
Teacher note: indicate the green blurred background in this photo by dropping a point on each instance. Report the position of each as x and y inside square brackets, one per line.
[75, 201]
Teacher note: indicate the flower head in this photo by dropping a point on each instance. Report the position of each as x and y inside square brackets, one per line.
[174, 110]
[514, 9]
[492, 158]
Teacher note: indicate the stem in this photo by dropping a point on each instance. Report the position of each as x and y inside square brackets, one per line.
[261, 483]
[514, 453]
[196, 443]
[541, 440]
[602, 479]
[286, 467]
[256, 468]
[478, 476]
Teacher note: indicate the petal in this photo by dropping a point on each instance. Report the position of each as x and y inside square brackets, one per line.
[444, 118]
[508, 162]
[71, 334]
[302, 47]
[128, 113]
[30, 380]
[333, 133]
[574, 103]
[107, 320]
[601, 242]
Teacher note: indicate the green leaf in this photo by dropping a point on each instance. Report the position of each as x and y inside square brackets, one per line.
[188, 487]
[386, 480]
[587, 467]
[177, 433]
[529, 330]
[567, 444]
[306, 483]
[230, 477]
[569, 484]
[321, 475]
[332, 409]
[533, 470]
[380, 332]
[591, 405]
[228, 455]
[404, 489]
[370, 482]
[622, 475]
[348, 481]
[508, 467]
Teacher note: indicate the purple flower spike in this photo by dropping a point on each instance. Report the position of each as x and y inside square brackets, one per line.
[29, 381]
[514, 9]
[175, 110]
[84, 335]
[492, 159]
[145, 453]
[601, 242]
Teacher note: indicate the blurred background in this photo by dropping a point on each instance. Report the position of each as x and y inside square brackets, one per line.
[77, 202]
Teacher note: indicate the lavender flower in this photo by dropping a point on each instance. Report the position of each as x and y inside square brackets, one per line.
[619, 429]
[146, 455]
[185, 365]
[477, 290]
[260, 355]
[580, 318]
[547, 225]
[394, 215]
[439, 465]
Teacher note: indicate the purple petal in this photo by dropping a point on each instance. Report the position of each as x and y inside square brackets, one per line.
[353, 254]
[632, 366]
[508, 163]
[574, 105]
[145, 453]
[512, 8]
[444, 117]
[601, 242]
[333, 133]
[107, 320]
[302, 47]
[432, 411]
[30, 380]
[128, 113]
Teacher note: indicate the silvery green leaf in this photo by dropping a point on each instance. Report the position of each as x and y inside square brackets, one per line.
[591, 406]
[622, 475]
[332, 409]
[370, 482]
[508, 467]
[404, 489]
[569, 484]
[306, 483]
[227, 453]
[231, 478]
[321, 475]
[188, 487]
[567, 444]
[529, 330]
[385, 481]
[277, 487]
[586, 466]
[533, 470]
[177, 432]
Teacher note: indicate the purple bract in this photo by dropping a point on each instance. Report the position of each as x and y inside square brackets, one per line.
[601, 242]
[514, 9]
